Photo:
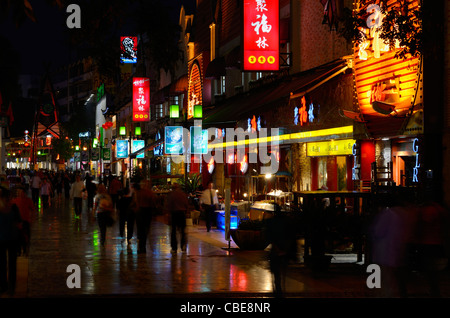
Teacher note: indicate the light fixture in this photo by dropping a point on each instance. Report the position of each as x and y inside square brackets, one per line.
[137, 131]
[174, 111]
[122, 130]
[198, 111]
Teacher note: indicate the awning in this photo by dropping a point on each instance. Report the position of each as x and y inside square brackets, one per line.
[277, 93]
[215, 68]
[384, 126]
[180, 85]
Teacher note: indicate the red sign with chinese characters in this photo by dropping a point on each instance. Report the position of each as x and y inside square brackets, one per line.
[261, 35]
[141, 99]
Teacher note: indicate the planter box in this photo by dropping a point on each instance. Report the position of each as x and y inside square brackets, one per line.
[250, 239]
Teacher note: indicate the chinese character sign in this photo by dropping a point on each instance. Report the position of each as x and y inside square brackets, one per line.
[128, 49]
[261, 35]
[141, 99]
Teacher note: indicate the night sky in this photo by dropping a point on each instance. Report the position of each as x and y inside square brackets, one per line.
[44, 40]
[38, 41]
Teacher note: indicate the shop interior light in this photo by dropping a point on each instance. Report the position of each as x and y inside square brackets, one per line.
[122, 130]
[198, 111]
[174, 111]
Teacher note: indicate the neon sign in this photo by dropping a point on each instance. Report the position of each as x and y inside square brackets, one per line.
[141, 99]
[303, 115]
[261, 35]
[415, 148]
[254, 125]
[355, 168]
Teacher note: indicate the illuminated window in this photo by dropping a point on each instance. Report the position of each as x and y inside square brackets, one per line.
[159, 111]
[222, 85]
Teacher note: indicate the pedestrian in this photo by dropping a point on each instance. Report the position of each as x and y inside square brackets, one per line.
[281, 235]
[146, 204]
[103, 210]
[127, 212]
[26, 210]
[46, 190]
[35, 187]
[177, 205]
[209, 204]
[66, 182]
[114, 188]
[10, 224]
[76, 193]
[91, 189]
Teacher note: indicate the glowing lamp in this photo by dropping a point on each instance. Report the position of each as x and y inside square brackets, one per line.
[137, 131]
[174, 111]
[122, 130]
[198, 111]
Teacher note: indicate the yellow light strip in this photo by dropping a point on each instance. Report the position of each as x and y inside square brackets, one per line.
[300, 135]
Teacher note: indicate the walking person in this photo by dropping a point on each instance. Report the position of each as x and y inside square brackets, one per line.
[281, 235]
[91, 189]
[114, 188]
[127, 212]
[76, 193]
[177, 205]
[146, 203]
[46, 191]
[35, 187]
[103, 208]
[209, 203]
[26, 210]
[10, 223]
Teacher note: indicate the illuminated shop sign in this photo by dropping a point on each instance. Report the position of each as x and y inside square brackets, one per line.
[138, 145]
[128, 49]
[194, 89]
[199, 140]
[330, 148]
[385, 85]
[261, 35]
[173, 140]
[141, 99]
[305, 114]
[158, 150]
[121, 148]
[415, 148]
[254, 124]
[355, 168]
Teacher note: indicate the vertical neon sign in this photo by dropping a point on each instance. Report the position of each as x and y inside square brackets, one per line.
[141, 99]
[415, 148]
[261, 35]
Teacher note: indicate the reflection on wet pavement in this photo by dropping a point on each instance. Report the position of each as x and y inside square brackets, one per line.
[60, 239]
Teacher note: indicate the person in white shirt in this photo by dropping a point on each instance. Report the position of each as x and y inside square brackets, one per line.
[209, 202]
[35, 187]
[76, 192]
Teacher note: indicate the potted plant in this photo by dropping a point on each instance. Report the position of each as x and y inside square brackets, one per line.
[250, 235]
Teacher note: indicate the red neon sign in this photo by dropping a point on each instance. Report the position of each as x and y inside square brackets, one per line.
[141, 99]
[261, 35]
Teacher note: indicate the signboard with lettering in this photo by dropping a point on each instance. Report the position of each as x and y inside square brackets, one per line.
[261, 35]
[141, 99]
[330, 148]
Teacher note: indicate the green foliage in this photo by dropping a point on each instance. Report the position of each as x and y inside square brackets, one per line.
[191, 183]
[63, 147]
[400, 24]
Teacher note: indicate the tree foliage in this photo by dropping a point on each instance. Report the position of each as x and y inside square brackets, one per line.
[400, 25]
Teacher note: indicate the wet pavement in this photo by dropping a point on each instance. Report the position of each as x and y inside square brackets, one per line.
[210, 268]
